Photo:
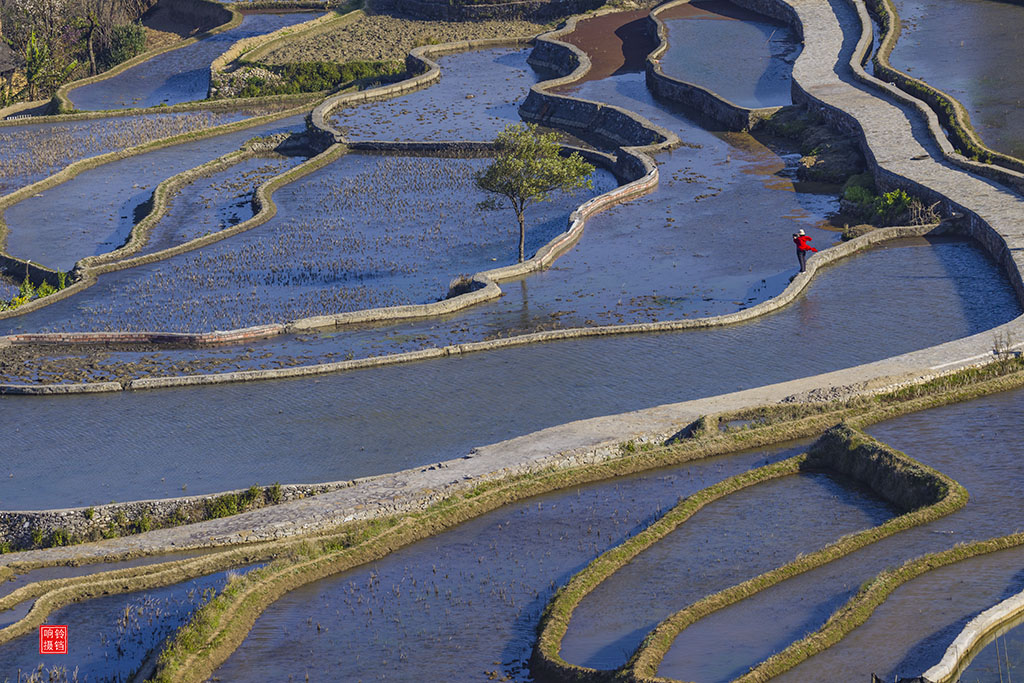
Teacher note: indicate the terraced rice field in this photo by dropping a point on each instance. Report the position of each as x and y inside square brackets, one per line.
[489, 470]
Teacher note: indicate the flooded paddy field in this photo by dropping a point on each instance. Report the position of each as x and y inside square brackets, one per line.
[953, 275]
[712, 238]
[32, 151]
[93, 213]
[729, 541]
[751, 64]
[712, 232]
[973, 443]
[68, 571]
[346, 421]
[478, 95]
[181, 75]
[109, 638]
[10, 616]
[465, 603]
[365, 231]
[967, 49]
[216, 201]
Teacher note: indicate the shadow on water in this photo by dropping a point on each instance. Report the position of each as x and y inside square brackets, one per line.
[636, 45]
[932, 647]
[973, 283]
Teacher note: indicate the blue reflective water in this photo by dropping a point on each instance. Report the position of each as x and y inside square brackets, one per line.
[94, 212]
[181, 75]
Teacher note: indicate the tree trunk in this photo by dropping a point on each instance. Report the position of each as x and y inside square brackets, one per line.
[522, 236]
[92, 50]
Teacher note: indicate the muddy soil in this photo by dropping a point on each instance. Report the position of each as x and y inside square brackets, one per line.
[616, 43]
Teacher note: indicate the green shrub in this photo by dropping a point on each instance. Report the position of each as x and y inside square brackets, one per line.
[222, 506]
[60, 537]
[143, 523]
[891, 207]
[127, 41]
[859, 195]
[275, 493]
[26, 291]
[315, 77]
[89, 513]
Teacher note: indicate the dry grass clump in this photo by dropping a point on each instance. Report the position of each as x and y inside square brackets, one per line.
[382, 37]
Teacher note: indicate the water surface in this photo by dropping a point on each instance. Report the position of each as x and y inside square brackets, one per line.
[160, 445]
[973, 442]
[464, 604]
[93, 213]
[478, 95]
[743, 56]
[971, 50]
[181, 75]
[29, 152]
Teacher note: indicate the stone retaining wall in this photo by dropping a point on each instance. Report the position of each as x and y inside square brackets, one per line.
[976, 227]
[954, 116]
[610, 125]
[46, 528]
[707, 102]
[1004, 174]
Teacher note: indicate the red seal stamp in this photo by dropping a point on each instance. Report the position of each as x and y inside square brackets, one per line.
[53, 640]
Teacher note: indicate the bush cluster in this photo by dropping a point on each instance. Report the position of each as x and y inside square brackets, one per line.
[291, 79]
[27, 292]
[126, 41]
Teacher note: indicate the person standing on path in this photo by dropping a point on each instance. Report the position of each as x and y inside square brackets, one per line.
[800, 239]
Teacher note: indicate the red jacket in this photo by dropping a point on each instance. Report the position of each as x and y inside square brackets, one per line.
[801, 243]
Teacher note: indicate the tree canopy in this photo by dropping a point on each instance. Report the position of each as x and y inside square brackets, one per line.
[528, 167]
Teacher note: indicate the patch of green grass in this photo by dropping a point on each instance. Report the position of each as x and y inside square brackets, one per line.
[306, 77]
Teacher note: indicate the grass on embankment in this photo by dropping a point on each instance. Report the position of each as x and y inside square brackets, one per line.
[922, 492]
[219, 627]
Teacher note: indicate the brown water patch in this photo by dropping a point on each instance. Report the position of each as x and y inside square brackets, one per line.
[712, 9]
[616, 43]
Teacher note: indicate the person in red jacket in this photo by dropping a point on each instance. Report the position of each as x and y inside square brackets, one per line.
[800, 239]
